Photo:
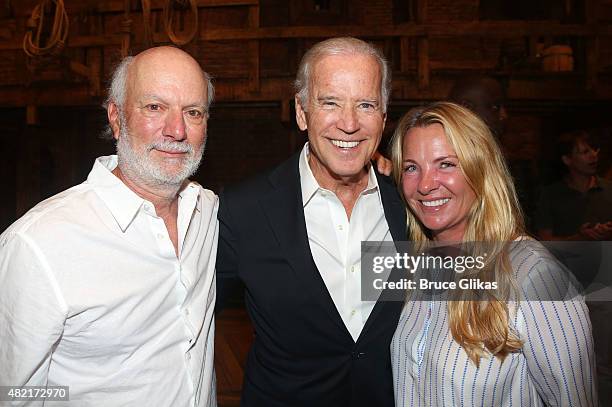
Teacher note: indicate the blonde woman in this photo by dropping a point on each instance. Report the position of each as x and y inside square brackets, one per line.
[499, 351]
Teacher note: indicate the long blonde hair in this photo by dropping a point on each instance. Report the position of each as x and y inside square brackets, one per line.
[494, 219]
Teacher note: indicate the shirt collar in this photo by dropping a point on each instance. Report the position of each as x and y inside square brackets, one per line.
[597, 183]
[310, 186]
[122, 202]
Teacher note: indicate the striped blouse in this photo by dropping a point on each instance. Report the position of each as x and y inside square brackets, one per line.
[556, 365]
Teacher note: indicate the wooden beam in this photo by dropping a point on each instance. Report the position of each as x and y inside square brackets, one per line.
[94, 62]
[543, 86]
[423, 69]
[468, 29]
[592, 62]
[114, 6]
[421, 14]
[32, 115]
[254, 51]
[404, 54]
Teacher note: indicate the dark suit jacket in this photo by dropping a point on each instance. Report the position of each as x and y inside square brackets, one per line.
[302, 354]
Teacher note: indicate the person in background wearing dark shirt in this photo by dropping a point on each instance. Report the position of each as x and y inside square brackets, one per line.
[578, 207]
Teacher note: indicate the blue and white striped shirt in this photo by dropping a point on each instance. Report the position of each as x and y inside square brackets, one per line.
[556, 365]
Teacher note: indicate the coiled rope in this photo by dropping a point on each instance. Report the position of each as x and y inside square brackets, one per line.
[59, 31]
[168, 18]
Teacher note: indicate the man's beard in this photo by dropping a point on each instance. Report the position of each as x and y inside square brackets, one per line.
[137, 164]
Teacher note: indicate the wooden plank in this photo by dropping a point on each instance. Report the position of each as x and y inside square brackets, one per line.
[464, 65]
[115, 5]
[404, 54]
[254, 51]
[486, 29]
[94, 62]
[592, 62]
[421, 11]
[537, 86]
[478, 29]
[423, 69]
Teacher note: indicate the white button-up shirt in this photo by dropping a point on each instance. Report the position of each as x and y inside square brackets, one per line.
[94, 297]
[335, 241]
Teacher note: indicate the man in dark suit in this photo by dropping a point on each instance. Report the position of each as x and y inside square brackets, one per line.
[293, 237]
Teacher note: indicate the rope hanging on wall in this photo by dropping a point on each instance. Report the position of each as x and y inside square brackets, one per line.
[59, 31]
[168, 17]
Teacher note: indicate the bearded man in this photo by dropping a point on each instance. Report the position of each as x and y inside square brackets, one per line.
[108, 287]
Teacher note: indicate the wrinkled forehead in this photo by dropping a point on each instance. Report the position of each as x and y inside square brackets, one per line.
[363, 66]
[178, 76]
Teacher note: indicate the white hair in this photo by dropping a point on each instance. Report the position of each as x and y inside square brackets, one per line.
[341, 46]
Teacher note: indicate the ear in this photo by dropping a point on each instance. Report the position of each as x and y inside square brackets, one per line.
[112, 111]
[566, 160]
[300, 114]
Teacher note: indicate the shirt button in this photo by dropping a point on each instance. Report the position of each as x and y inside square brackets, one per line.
[188, 356]
[186, 312]
[352, 269]
[353, 312]
[160, 236]
[339, 227]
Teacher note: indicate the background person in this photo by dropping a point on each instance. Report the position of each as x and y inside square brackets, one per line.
[457, 187]
[578, 207]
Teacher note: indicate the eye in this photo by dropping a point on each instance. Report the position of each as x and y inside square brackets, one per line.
[447, 164]
[194, 113]
[367, 106]
[409, 168]
[153, 107]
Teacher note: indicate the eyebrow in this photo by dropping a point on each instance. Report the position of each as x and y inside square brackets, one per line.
[160, 99]
[446, 157]
[325, 98]
[334, 98]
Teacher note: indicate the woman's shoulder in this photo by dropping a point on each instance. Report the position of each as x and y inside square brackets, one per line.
[539, 274]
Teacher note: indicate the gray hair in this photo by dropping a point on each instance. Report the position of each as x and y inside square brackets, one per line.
[341, 46]
[118, 89]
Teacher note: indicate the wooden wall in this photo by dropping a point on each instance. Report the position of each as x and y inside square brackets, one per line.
[50, 107]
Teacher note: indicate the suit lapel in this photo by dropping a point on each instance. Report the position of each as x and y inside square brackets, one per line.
[394, 208]
[285, 212]
[395, 213]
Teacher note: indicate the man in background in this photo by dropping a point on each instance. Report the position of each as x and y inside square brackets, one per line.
[484, 96]
[578, 207]
[108, 287]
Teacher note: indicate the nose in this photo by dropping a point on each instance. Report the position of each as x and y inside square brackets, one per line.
[174, 125]
[348, 121]
[428, 182]
[503, 114]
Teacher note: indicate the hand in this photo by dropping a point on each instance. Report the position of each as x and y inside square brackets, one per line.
[599, 231]
[383, 164]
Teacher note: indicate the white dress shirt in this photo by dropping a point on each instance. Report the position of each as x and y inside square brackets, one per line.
[335, 241]
[93, 296]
